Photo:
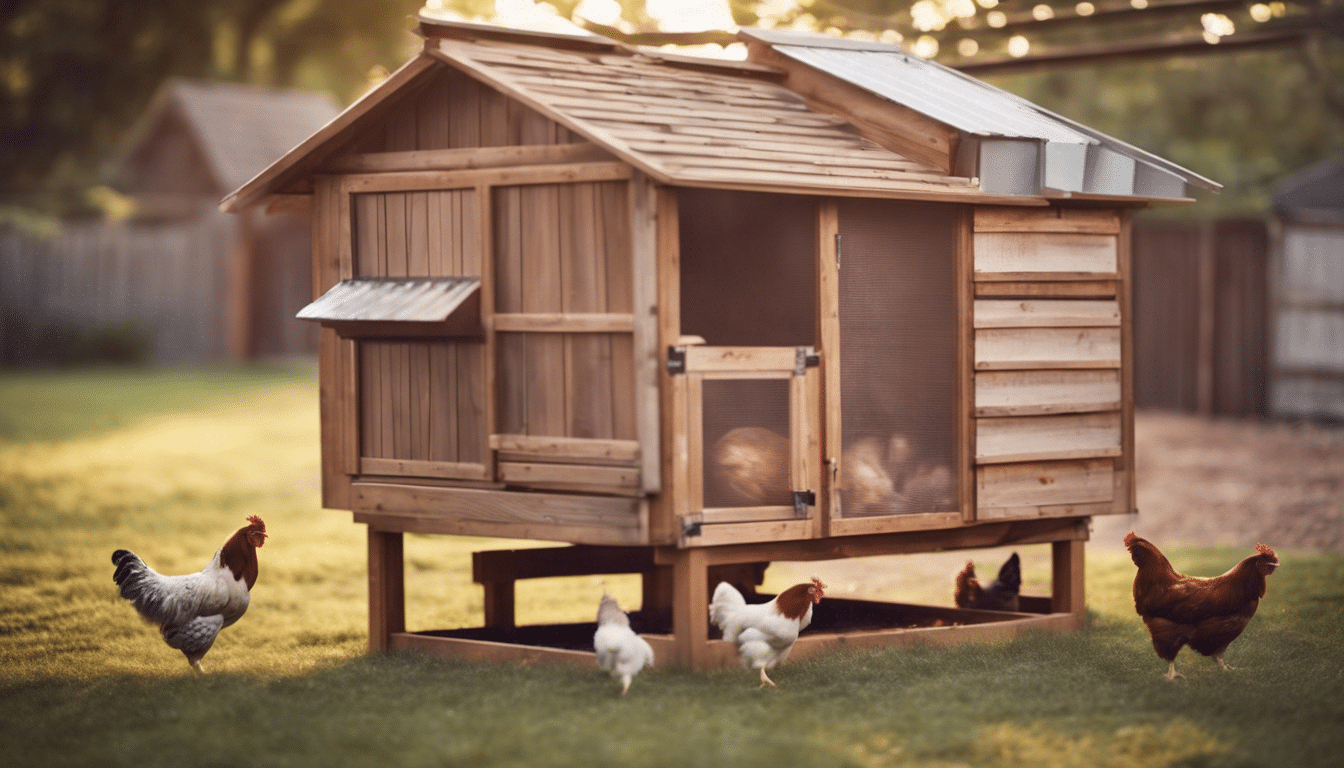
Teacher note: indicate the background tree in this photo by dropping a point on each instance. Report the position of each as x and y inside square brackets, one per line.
[75, 74]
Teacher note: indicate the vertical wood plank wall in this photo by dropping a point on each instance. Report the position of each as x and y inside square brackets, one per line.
[1051, 415]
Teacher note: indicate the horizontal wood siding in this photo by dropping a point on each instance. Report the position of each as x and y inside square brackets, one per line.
[1049, 395]
[1043, 255]
[1032, 438]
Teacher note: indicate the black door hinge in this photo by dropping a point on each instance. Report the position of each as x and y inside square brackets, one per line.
[690, 529]
[676, 360]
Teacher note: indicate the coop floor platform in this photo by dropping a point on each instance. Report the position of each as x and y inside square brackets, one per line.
[837, 623]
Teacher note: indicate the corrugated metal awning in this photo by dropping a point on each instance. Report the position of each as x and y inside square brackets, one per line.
[400, 306]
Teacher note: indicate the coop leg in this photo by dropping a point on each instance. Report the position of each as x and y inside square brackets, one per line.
[1067, 577]
[387, 588]
[499, 604]
[690, 607]
[657, 592]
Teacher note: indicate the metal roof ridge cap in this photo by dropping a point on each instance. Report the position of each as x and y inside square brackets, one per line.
[774, 37]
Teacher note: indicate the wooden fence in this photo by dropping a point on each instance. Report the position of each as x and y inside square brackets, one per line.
[1201, 316]
[178, 280]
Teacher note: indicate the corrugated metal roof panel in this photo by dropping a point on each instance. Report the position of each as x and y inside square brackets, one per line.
[941, 93]
[392, 299]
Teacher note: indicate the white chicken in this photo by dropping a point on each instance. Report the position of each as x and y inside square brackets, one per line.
[764, 632]
[190, 610]
[620, 652]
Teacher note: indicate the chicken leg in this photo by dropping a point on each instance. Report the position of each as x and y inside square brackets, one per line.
[765, 680]
[1226, 667]
[1172, 674]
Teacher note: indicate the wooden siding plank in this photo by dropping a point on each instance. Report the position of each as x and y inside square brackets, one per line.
[1042, 438]
[546, 516]
[403, 181]
[568, 449]
[449, 470]
[1045, 483]
[1037, 393]
[542, 290]
[468, 157]
[443, 406]
[1081, 289]
[543, 474]
[1059, 313]
[1062, 220]
[564, 322]
[1015, 253]
[1044, 511]
[1029, 348]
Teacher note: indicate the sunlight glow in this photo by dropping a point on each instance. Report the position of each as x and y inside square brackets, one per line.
[1085, 9]
[1261, 12]
[967, 47]
[1018, 46]
[605, 12]
[1139, 4]
[1042, 12]
[926, 47]
[996, 19]
[690, 15]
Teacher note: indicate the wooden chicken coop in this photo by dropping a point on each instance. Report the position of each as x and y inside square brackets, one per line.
[693, 316]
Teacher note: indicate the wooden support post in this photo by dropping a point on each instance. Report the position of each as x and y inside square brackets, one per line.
[1066, 565]
[690, 607]
[657, 593]
[499, 604]
[387, 588]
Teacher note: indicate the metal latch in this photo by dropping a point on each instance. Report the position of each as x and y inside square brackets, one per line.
[804, 358]
[801, 501]
[676, 360]
[691, 529]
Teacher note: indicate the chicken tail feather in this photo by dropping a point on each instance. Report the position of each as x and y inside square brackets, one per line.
[140, 584]
[726, 598]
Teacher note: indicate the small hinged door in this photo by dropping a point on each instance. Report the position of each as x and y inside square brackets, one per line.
[753, 458]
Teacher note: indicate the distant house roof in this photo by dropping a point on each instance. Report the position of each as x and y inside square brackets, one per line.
[237, 130]
[1064, 156]
[699, 122]
[1314, 194]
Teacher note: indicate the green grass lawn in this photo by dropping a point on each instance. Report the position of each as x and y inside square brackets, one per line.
[169, 463]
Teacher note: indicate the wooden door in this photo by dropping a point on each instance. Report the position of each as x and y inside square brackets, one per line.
[752, 428]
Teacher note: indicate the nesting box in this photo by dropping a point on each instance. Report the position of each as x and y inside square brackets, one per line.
[694, 316]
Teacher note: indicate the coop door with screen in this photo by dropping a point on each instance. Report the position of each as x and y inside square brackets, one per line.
[899, 367]
[746, 375]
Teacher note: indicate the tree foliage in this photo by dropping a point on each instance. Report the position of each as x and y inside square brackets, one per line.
[76, 74]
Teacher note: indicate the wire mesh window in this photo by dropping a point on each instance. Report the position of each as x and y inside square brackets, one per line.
[746, 439]
[748, 268]
[898, 344]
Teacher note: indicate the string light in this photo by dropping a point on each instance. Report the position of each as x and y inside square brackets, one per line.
[1018, 46]
[1042, 12]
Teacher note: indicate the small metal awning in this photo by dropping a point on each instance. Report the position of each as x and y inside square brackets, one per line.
[400, 307]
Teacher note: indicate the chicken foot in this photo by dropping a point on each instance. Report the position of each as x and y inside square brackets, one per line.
[1226, 667]
[1172, 674]
[765, 680]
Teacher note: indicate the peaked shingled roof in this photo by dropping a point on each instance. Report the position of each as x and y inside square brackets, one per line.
[691, 121]
[239, 129]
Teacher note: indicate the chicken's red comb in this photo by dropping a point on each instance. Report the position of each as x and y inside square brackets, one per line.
[258, 522]
[818, 583]
[1265, 550]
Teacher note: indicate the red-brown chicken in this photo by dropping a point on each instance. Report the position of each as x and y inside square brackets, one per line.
[1206, 614]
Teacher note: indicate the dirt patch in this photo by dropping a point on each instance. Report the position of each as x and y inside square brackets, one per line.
[1222, 481]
